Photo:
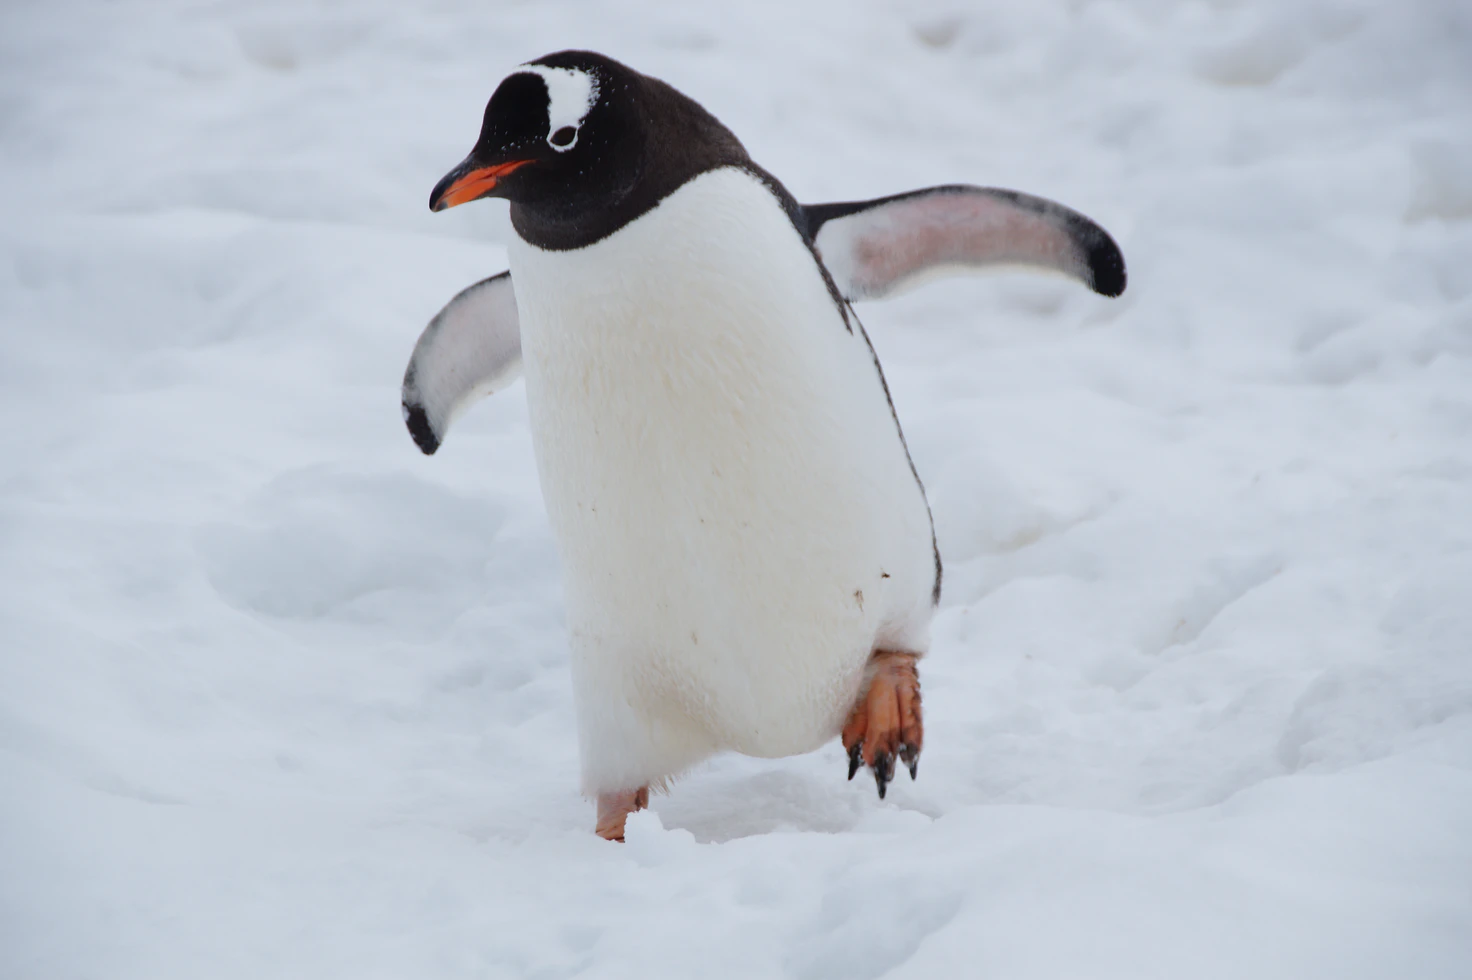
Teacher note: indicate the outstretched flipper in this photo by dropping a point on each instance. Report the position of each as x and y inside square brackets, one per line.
[873, 249]
[471, 349]
[876, 248]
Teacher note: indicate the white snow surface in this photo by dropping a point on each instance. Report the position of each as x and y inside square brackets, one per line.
[281, 697]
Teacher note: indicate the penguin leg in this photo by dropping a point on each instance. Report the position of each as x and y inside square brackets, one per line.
[614, 809]
[885, 721]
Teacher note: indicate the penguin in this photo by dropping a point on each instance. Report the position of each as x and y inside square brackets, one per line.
[749, 561]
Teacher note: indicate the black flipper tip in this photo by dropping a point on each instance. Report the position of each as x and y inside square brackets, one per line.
[420, 429]
[1106, 266]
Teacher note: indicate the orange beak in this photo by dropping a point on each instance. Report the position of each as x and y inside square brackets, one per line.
[458, 187]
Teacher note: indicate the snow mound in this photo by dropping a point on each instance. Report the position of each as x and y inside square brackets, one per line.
[279, 696]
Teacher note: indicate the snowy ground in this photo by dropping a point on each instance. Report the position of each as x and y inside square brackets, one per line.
[280, 697]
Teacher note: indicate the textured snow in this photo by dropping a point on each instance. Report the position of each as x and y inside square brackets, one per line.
[280, 697]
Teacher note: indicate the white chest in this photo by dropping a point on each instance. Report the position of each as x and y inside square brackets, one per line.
[734, 511]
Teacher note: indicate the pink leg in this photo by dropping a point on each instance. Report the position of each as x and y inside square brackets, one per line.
[614, 809]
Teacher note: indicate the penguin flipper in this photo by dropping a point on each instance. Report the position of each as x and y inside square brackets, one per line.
[471, 349]
[874, 249]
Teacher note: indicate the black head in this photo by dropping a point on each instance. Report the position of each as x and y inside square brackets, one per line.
[581, 145]
[559, 133]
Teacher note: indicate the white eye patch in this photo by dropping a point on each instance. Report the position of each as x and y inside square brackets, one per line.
[571, 95]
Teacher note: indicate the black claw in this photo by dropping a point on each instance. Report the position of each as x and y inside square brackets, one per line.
[911, 755]
[854, 755]
[883, 771]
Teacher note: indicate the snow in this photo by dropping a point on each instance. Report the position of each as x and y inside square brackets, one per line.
[281, 697]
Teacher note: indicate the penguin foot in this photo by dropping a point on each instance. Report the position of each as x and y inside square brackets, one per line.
[886, 722]
[614, 810]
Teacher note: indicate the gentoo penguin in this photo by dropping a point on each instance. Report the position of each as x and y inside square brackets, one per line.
[748, 557]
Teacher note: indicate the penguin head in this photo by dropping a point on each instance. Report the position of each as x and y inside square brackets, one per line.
[561, 136]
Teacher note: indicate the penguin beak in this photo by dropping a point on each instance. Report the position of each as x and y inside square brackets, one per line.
[470, 181]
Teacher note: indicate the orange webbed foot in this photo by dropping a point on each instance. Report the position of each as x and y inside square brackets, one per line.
[886, 720]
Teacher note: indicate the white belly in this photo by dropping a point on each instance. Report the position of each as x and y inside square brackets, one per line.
[738, 523]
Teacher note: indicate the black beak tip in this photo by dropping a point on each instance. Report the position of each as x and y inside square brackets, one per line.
[437, 196]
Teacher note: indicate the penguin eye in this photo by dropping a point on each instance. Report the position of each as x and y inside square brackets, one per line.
[563, 137]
